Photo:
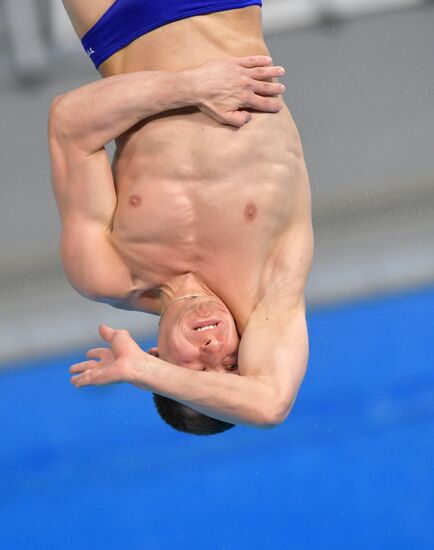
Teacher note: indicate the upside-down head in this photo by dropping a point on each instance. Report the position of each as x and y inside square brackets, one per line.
[198, 334]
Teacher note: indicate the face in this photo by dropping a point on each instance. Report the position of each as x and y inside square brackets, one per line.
[199, 334]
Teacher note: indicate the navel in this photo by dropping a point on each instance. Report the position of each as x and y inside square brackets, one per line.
[250, 211]
[135, 200]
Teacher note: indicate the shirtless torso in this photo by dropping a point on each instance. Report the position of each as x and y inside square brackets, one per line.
[231, 206]
[195, 196]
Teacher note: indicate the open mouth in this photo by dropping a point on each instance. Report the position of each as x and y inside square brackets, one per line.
[206, 325]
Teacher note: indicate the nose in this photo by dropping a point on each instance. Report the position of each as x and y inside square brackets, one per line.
[210, 345]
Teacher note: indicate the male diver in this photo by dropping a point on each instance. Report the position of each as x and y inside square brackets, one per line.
[204, 217]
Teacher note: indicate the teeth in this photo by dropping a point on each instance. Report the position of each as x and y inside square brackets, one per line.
[207, 327]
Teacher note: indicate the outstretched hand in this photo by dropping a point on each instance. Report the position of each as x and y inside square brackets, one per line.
[108, 365]
[226, 87]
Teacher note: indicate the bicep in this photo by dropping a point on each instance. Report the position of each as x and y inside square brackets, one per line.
[86, 198]
[91, 263]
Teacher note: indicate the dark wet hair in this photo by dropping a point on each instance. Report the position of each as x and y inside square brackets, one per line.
[185, 419]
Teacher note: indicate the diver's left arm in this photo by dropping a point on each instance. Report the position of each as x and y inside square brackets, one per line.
[272, 361]
[274, 350]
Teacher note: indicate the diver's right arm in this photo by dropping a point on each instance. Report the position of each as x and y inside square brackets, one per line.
[85, 194]
[93, 115]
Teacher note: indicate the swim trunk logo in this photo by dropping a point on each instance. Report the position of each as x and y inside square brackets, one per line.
[90, 51]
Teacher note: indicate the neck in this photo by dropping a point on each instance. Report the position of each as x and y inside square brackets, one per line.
[184, 287]
[190, 296]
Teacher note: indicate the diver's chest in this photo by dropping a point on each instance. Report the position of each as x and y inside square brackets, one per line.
[193, 216]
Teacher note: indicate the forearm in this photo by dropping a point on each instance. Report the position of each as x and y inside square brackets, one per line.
[94, 114]
[231, 398]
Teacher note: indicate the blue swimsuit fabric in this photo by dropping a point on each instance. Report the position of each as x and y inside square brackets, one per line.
[126, 20]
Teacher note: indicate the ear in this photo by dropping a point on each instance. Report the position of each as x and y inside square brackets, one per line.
[154, 352]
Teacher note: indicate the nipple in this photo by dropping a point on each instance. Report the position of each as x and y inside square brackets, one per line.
[250, 211]
[135, 200]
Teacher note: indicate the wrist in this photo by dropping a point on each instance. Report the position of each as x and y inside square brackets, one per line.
[189, 82]
[140, 369]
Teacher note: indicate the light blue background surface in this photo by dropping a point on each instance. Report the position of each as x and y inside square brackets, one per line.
[352, 468]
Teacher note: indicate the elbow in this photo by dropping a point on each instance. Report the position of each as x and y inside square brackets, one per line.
[273, 416]
[56, 108]
[56, 102]
[57, 120]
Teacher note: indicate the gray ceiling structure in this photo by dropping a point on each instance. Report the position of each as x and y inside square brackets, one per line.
[362, 94]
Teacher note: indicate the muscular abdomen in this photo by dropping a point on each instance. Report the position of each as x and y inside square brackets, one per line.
[190, 42]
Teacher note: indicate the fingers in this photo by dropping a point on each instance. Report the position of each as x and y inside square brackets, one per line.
[87, 377]
[268, 88]
[99, 353]
[237, 118]
[83, 366]
[106, 333]
[263, 73]
[262, 89]
[91, 373]
[265, 104]
[88, 373]
[80, 380]
[254, 61]
[104, 365]
[109, 334]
